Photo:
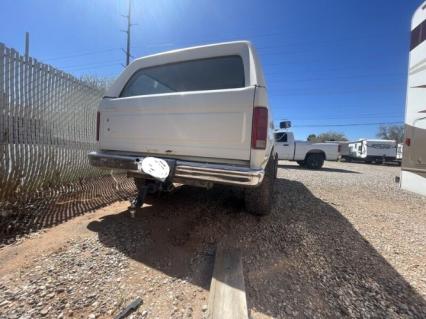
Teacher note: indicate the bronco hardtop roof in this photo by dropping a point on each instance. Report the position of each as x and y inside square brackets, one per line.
[252, 67]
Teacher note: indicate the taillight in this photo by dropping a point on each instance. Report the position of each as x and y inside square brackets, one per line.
[259, 131]
[98, 124]
[408, 141]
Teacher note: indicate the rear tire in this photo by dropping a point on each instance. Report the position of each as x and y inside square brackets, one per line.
[314, 161]
[258, 200]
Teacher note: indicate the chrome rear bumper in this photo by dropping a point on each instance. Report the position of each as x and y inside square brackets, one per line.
[184, 170]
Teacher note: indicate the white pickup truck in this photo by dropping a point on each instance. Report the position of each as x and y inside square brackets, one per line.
[310, 155]
[197, 116]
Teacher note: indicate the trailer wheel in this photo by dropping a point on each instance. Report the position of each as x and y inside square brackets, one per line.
[258, 200]
[314, 161]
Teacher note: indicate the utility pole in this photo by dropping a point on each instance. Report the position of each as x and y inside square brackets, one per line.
[129, 26]
[27, 45]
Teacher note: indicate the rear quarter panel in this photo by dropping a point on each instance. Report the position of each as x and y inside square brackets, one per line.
[259, 158]
[303, 148]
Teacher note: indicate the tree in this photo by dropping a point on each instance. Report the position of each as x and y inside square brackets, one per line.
[101, 83]
[327, 136]
[391, 132]
[312, 138]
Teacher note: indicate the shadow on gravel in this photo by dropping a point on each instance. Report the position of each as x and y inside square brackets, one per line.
[165, 235]
[323, 169]
[304, 260]
[391, 164]
[57, 205]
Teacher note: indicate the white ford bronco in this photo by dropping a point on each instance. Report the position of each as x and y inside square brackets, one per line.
[198, 116]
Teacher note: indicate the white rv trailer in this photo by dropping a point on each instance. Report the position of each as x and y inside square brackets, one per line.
[399, 151]
[344, 149]
[370, 150]
[413, 172]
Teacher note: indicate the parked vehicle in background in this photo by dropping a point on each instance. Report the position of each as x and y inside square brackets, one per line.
[413, 173]
[310, 155]
[369, 151]
[197, 116]
[399, 152]
[344, 149]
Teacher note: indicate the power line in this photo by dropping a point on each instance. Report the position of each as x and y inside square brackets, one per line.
[349, 77]
[350, 124]
[310, 43]
[65, 57]
[383, 116]
[303, 92]
[72, 66]
[263, 35]
[325, 69]
[94, 66]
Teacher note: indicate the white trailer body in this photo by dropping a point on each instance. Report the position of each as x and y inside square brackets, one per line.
[344, 148]
[371, 150]
[413, 173]
[399, 151]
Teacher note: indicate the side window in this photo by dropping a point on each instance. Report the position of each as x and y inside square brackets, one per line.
[418, 35]
[144, 84]
[281, 137]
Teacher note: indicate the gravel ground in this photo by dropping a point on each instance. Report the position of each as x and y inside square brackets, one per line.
[341, 242]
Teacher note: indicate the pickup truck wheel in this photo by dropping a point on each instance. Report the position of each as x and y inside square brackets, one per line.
[258, 200]
[314, 161]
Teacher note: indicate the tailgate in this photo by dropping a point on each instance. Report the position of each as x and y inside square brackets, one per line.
[214, 124]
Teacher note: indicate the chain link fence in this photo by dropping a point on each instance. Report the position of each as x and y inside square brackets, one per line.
[47, 127]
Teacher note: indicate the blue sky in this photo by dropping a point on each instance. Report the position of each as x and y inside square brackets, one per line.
[327, 62]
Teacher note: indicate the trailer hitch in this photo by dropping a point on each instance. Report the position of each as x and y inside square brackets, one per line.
[159, 170]
[145, 187]
[138, 201]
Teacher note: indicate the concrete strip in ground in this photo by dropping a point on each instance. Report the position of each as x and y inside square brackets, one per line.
[227, 297]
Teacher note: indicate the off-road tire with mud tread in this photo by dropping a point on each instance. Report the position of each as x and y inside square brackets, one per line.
[314, 161]
[258, 200]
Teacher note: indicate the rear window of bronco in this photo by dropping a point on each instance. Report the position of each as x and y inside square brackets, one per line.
[217, 73]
